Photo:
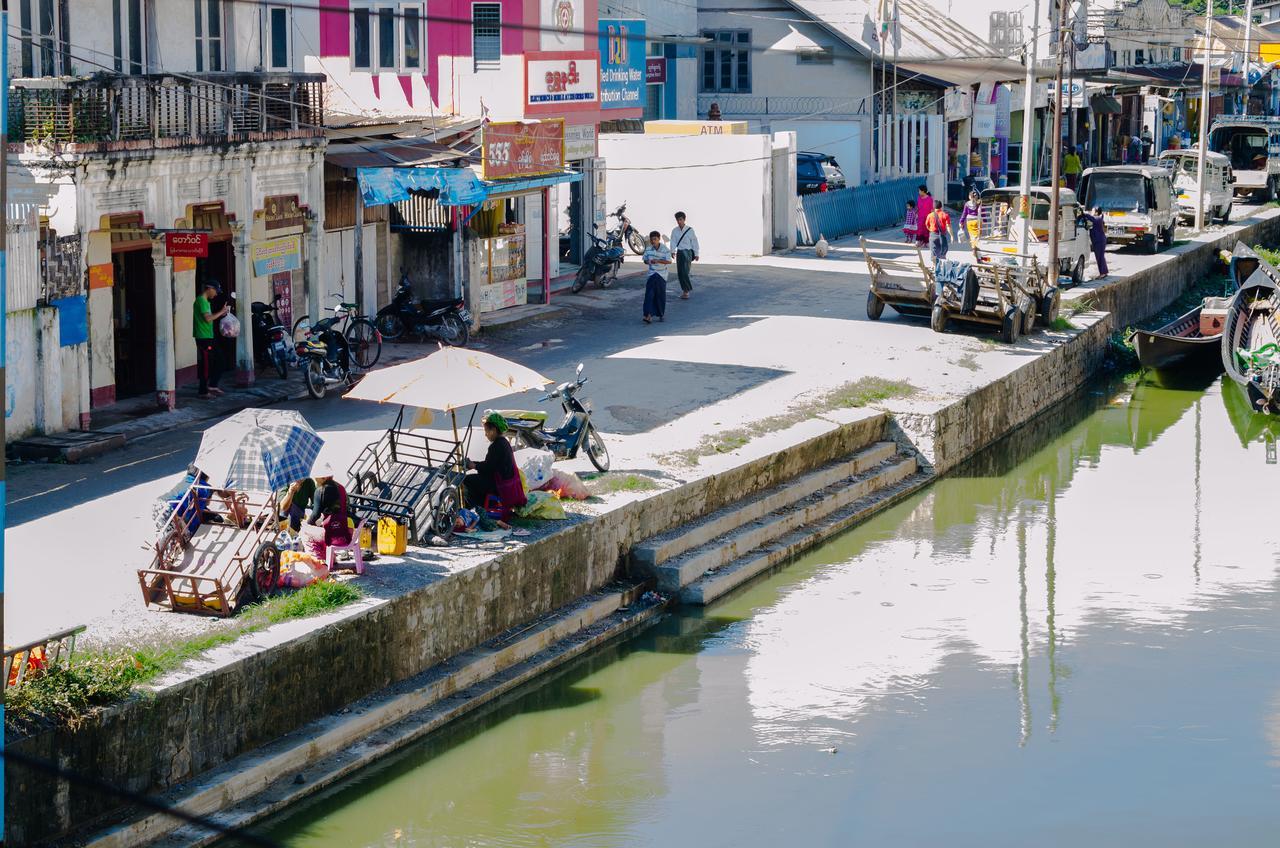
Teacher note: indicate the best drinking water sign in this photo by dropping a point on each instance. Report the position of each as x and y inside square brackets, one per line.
[561, 82]
[522, 149]
[622, 69]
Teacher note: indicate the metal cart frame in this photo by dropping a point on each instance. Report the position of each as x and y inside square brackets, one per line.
[907, 284]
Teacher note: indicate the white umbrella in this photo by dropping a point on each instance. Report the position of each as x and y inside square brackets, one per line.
[449, 379]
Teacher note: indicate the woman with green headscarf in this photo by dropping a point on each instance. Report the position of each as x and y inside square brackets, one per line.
[496, 475]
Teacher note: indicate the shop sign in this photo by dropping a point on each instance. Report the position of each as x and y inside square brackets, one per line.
[1072, 93]
[622, 64]
[186, 244]
[276, 256]
[1018, 96]
[562, 81]
[655, 70]
[1003, 119]
[579, 142]
[984, 120]
[281, 212]
[695, 127]
[957, 103]
[522, 148]
[562, 23]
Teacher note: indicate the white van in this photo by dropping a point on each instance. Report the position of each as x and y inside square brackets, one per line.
[999, 228]
[1184, 167]
[1136, 203]
[1252, 143]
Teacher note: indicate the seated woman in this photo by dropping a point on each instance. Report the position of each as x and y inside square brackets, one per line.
[327, 524]
[496, 475]
[296, 501]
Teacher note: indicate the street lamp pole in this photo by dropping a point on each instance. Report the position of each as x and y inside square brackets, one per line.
[1204, 120]
[1055, 173]
[1028, 119]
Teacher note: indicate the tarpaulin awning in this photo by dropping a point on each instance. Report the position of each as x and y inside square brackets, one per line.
[1105, 104]
[456, 186]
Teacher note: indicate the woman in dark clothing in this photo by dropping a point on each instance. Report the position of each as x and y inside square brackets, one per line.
[496, 475]
[329, 513]
[1097, 239]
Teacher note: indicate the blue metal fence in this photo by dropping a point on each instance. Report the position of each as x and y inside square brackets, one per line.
[849, 210]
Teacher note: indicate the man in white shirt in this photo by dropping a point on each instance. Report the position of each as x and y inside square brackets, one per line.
[684, 244]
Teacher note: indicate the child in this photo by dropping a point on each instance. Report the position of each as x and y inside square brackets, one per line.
[969, 218]
[657, 256]
[909, 224]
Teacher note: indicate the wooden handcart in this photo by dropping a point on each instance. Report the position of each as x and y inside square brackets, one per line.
[1007, 296]
[901, 277]
[410, 477]
[215, 552]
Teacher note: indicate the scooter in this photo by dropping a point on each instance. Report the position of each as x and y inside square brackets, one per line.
[446, 320]
[601, 263]
[575, 432]
[626, 233]
[270, 337]
[324, 357]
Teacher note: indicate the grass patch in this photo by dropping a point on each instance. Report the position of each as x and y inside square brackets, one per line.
[611, 483]
[1062, 325]
[968, 361]
[855, 395]
[69, 693]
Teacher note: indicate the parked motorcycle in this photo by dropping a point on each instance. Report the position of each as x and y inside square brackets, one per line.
[575, 432]
[626, 233]
[325, 358]
[601, 263]
[270, 337]
[446, 320]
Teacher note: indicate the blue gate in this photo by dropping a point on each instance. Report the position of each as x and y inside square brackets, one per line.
[850, 210]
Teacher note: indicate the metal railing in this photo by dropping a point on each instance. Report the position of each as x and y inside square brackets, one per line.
[831, 214]
[751, 106]
[22, 660]
[110, 111]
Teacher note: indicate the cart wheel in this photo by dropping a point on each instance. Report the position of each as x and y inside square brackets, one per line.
[265, 575]
[875, 306]
[1028, 309]
[1011, 325]
[938, 319]
[1049, 305]
[446, 511]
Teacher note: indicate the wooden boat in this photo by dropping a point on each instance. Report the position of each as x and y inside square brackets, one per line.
[1179, 344]
[1251, 334]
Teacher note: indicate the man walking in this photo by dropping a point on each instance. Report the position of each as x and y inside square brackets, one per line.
[1072, 168]
[684, 243]
[202, 330]
[656, 256]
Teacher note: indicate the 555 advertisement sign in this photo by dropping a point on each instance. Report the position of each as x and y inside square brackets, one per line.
[622, 64]
[522, 149]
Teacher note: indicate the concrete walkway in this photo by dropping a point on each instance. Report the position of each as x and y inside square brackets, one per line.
[759, 338]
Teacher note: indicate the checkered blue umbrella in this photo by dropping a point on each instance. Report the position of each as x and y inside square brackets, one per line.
[258, 450]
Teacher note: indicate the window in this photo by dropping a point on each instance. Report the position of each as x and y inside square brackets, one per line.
[387, 39]
[486, 35]
[277, 39]
[726, 61]
[1177, 54]
[1139, 57]
[412, 24]
[361, 50]
[815, 56]
[208, 35]
[44, 46]
[127, 36]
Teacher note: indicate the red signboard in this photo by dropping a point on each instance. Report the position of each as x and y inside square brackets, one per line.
[522, 149]
[194, 245]
[655, 70]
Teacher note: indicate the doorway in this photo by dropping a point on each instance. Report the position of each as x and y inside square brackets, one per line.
[134, 319]
[219, 267]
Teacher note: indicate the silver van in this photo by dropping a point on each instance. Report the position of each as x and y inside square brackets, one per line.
[1136, 203]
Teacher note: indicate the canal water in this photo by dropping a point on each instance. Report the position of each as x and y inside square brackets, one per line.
[1074, 640]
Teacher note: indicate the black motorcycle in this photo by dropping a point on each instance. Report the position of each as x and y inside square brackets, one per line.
[625, 233]
[270, 337]
[446, 320]
[601, 263]
[324, 357]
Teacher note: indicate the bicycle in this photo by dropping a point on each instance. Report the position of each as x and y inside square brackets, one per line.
[359, 330]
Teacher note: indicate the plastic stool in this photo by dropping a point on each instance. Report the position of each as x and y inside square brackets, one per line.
[352, 547]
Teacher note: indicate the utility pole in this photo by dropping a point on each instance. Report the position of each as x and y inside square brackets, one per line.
[1248, 53]
[1055, 173]
[1028, 119]
[1204, 119]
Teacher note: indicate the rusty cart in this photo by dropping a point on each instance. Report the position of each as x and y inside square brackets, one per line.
[1000, 294]
[901, 277]
[215, 552]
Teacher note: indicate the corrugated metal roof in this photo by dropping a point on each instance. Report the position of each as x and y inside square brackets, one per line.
[924, 33]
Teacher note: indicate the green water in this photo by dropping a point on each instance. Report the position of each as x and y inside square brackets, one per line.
[1072, 641]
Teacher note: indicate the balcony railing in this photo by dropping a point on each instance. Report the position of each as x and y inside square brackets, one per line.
[738, 106]
[109, 112]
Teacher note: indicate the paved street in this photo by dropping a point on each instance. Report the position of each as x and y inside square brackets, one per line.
[755, 337]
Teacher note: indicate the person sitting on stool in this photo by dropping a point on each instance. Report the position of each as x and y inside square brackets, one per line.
[496, 475]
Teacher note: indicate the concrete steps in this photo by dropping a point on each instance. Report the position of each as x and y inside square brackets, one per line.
[706, 559]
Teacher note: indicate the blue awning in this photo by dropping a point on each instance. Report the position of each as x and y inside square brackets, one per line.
[456, 186]
[530, 183]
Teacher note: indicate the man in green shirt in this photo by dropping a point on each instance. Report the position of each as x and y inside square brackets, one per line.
[202, 330]
[1072, 168]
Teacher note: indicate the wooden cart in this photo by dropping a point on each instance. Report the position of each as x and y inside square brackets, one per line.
[998, 294]
[410, 477]
[900, 277]
[216, 552]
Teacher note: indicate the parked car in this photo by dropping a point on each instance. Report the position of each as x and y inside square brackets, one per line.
[999, 229]
[1252, 143]
[1184, 167]
[817, 172]
[1137, 202]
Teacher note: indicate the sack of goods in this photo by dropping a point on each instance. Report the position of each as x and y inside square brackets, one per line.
[535, 466]
[229, 326]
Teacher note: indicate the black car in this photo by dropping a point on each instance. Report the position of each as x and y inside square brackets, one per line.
[817, 172]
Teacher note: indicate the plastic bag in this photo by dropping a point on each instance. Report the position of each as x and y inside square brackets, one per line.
[542, 505]
[567, 485]
[229, 326]
[535, 465]
[301, 569]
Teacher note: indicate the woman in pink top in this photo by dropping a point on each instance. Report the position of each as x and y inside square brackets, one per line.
[924, 205]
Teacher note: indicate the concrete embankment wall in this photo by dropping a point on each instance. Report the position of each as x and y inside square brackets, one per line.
[157, 742]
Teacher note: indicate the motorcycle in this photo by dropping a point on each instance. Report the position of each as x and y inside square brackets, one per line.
[270, 337]
[324, 357]
[446, 320]
[601, 263]
[575, 432]
[626, 233]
